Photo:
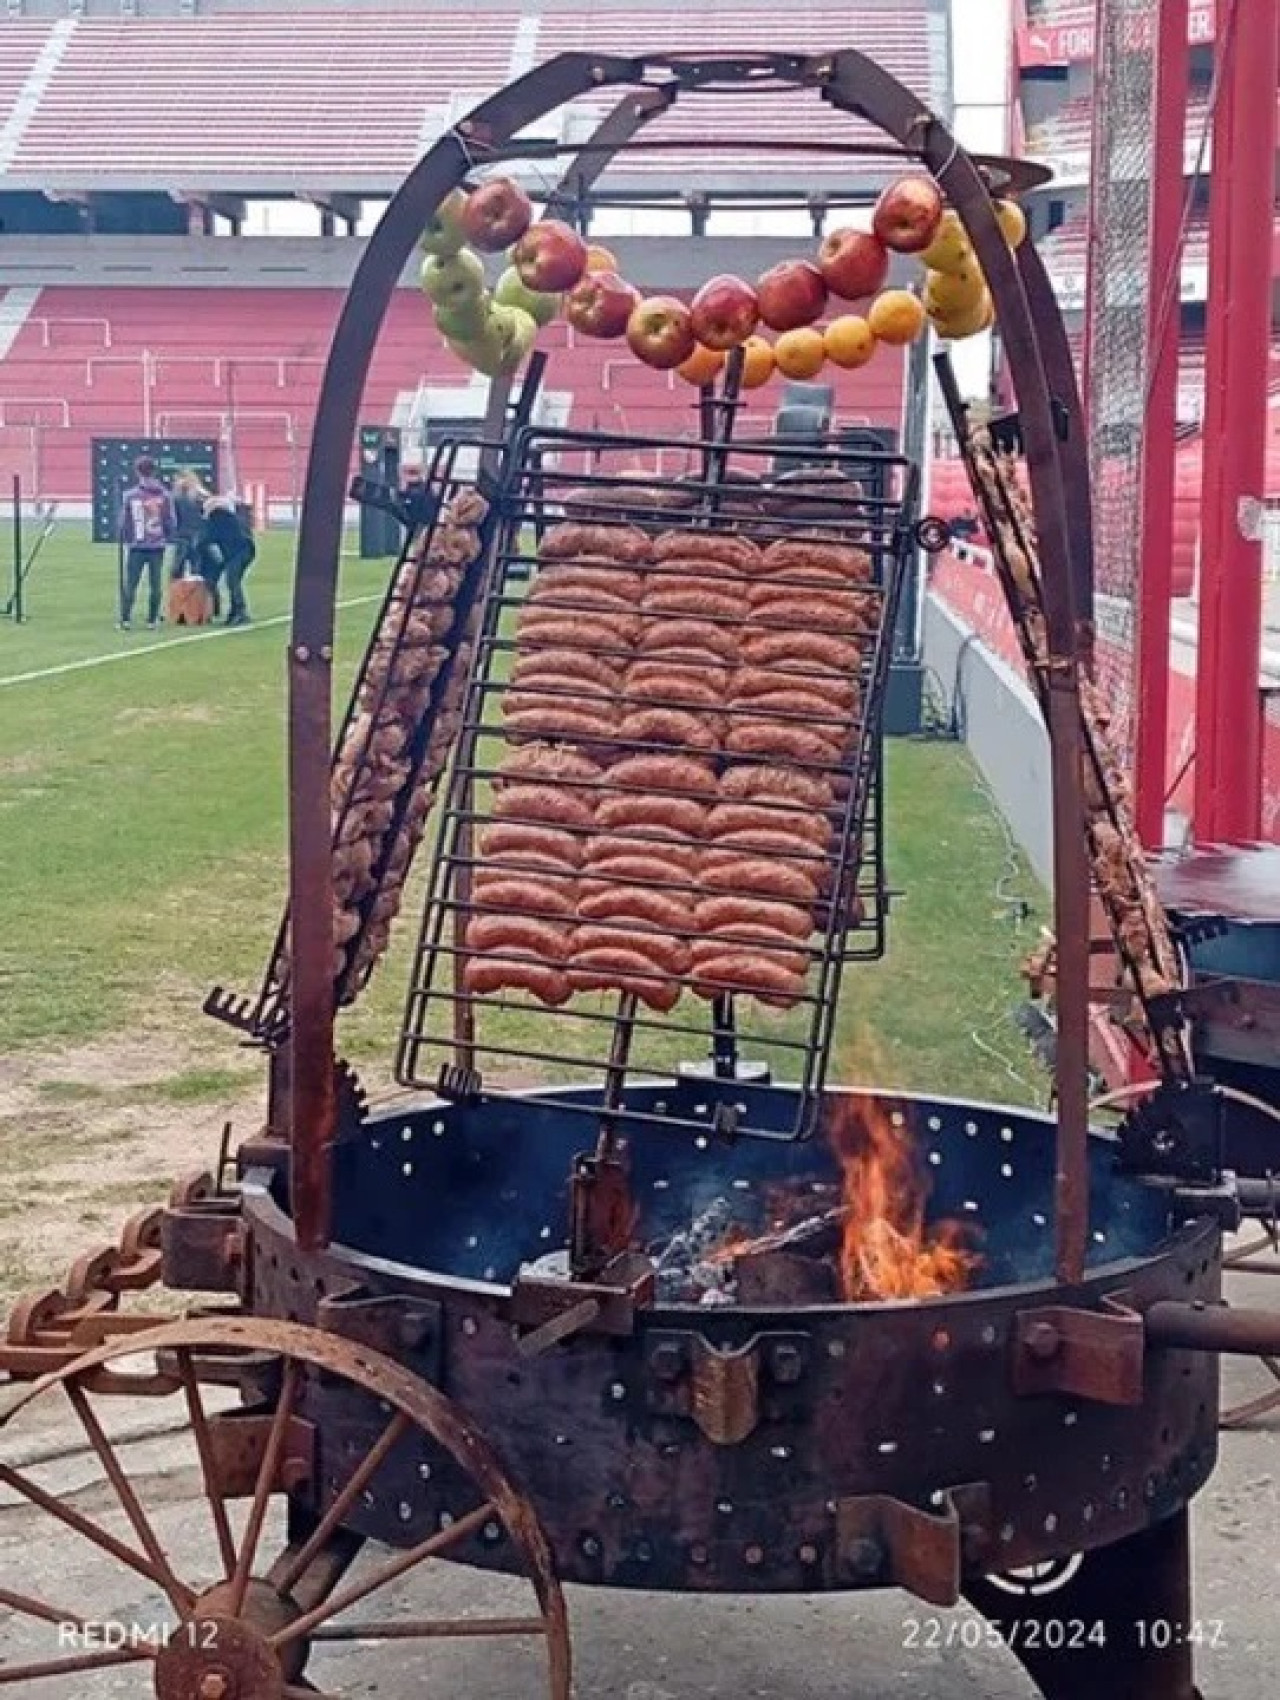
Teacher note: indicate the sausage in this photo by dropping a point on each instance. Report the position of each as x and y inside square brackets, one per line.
[515, 838]
[862, 606]
[759, 841]
[811, 790]
[556, 805]
[786, 743]
[795, 554]
[638, 867]
[524, 894]
[682, 814]
[806, 704]
[585, 594]
[592, 573]
[564, 664]
[548, 984]
[737, 552]
[707, 661]
[755, 975]
[836, 692]
[548, 761]
[783, 881]
[678, 687]
[603, 628]
[668, 909]
[545, 939]
[832, 612]
[454, 544]
[671, 955]
[666, 636]
[618, 969]
[770, 946]
[700, 600]
[727, 915]
[710, 671]
[810, 649]
[468, 507]
[575, 724]
[663, 773]
[732, 819]
[614, 542]
[667, 726]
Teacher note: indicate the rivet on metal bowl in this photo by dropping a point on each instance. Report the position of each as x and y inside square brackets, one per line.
[724, 1507]
[835, 1348]
[808, 1554]
[326, 652]
[754, 1555]
[590, 1546]
[492, 1532]
[865, 1559]
[1043, 1340]
[302, 653]
[698, 1553]
[617, 1391]
[470, 1325]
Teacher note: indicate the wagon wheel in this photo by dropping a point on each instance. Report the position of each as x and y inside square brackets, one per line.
[239, 1615]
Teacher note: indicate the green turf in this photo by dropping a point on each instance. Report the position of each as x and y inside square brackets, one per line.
[141, 812]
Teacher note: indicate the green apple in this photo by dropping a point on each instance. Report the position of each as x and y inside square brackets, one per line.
[519, 331]
[465, 319]
[513, 291]
[444, 234]
[450, 282]
[485, 353]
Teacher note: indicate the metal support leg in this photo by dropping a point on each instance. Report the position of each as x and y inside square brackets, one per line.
[1116, 1631]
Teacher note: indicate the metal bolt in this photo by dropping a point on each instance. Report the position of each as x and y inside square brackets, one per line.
[787, 1364]
[413, 1330]
[808, 1555]
[698, 1553]
[1043, 1341]
[326, 652]
[213, 1686]
[754, 1555]
[666, 1361]
[302, 653]
[865, 1559]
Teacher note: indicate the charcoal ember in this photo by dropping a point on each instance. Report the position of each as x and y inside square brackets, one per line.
[682, 1268]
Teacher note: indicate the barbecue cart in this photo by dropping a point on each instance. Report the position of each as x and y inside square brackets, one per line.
[625, 1290]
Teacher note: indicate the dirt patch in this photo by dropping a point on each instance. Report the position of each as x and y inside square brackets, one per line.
[92, 1133]
[186, 714]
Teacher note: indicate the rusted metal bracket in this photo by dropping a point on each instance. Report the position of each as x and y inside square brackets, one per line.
[203, 1245]
[398, 1326]
[885, 1541]
[1089, 1354]
[556, 1309]
[726, 1391]
[238, 1443]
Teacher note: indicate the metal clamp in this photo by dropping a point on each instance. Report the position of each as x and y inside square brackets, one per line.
[886, 1542]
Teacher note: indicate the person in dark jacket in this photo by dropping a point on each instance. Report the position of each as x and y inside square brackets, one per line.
[227, 551]
[147, 527]
[189, 498]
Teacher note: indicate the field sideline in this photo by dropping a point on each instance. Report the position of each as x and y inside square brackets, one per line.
[142, 818]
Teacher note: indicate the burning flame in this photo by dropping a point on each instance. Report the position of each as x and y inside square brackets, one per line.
[887, 1250]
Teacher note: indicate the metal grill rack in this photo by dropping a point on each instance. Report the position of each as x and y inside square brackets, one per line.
[467, 1043]
[450, 475]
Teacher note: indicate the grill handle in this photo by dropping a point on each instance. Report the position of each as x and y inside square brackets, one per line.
[1213, 1328]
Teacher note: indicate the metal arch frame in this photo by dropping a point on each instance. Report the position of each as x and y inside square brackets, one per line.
[1053, 439]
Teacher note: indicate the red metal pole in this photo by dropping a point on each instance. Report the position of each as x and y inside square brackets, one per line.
[1204, 824]
[1237, 725]
[1155, 563]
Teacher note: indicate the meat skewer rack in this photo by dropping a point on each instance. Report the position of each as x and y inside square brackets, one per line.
[654, 729]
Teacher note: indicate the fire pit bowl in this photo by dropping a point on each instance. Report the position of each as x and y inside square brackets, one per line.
[749, 1446]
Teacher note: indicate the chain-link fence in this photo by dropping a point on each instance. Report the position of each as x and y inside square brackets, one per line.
[1116, 335]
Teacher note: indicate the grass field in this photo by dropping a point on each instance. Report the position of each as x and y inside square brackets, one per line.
[142, 820]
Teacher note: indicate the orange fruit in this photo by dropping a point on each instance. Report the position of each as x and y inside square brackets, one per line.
[850, 341]
[601, 259]
[896, 317]
[950, 248]
[757, 364]
[702, 366]
[953, 292]
[800, 353]
[1013, 221]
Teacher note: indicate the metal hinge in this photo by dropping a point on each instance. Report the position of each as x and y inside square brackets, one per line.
[727, 1390]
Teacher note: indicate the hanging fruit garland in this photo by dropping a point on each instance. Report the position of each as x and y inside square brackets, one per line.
[553, 273]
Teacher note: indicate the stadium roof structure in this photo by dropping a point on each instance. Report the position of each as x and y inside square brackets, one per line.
[281, 101]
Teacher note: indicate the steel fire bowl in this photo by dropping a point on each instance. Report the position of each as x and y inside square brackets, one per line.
[758, 1449]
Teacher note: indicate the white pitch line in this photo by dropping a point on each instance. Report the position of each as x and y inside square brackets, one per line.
[202, 636]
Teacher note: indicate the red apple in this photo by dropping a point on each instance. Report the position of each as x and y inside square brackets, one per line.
[496, 214]
[853, 264]
[725, 312]
[791, 295]
[550, 256]
[660, 332]
[600, 304]
[908, 214]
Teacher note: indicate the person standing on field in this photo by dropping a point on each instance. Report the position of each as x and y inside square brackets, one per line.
[227, 552]
[189, 498]
[147, 527]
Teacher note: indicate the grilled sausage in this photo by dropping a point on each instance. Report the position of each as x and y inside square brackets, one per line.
[803, 705]
[509, 839]
[838, 693]
[618, 969]
[668, 726]
[698, 600]
[781, 742]
[525, 894]
[663, 773]
[668, 636]
[730, 821]
[671, 910]
[737, 552]
[593, 628]
[670, 955]
[548, 665]
[572, 722]
[795, 554]
[548, 984]
[809, 649]
[635, 864]
[783, 881]
[614, 542]
[810, 790]
[807, 613]
[674, 687]
[546, 940]
[682, 814]
[759, 841]
[726, 916]
[549, 762]
[554, 805]
[750, 973]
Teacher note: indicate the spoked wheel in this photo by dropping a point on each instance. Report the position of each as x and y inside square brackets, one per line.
[289, 1487]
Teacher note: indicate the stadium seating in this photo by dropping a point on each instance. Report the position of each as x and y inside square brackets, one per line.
[184, 362]
[363, 92]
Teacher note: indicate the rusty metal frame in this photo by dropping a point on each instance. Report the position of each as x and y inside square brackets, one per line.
[848, 81]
